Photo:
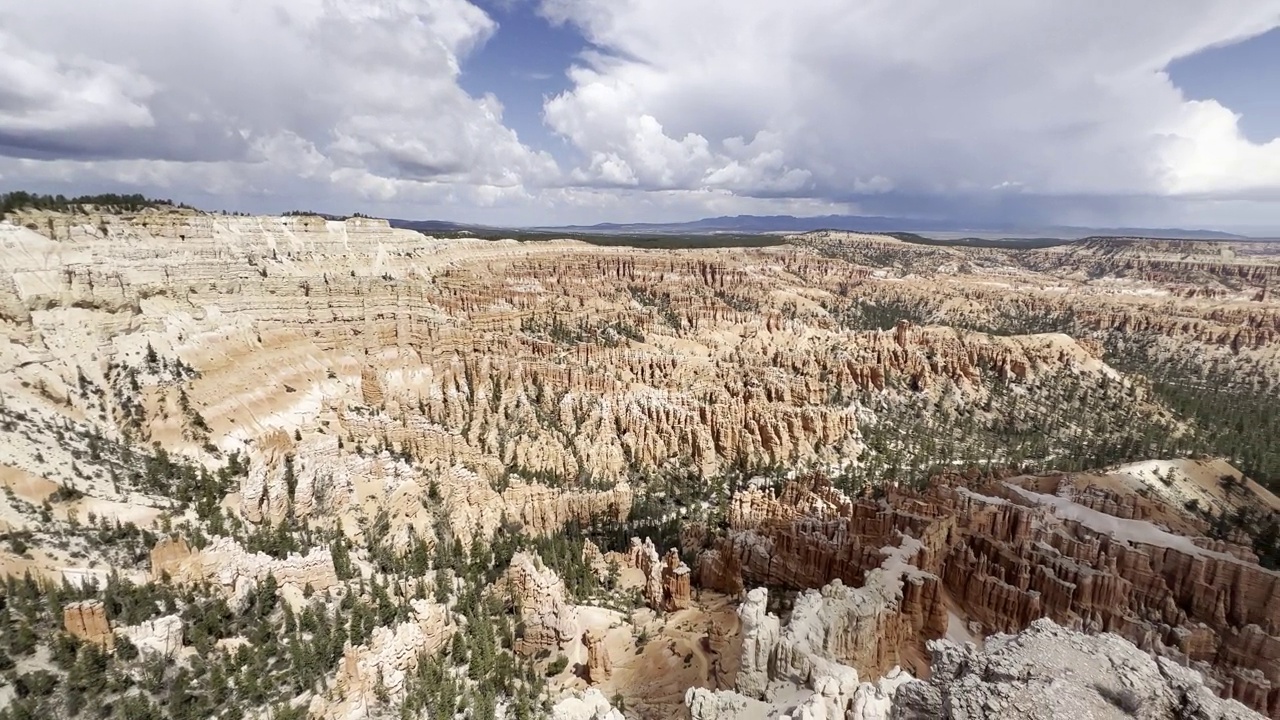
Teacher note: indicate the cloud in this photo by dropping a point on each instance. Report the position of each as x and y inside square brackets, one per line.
[39, 91]
[1001, 109]
[842, 100]
[254, 97]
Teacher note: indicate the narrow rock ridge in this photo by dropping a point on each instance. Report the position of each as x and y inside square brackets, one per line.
[236, 571]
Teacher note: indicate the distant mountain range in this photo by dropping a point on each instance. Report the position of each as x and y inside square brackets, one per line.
[756, 224]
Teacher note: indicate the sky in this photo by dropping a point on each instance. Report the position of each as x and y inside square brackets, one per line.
[1156, 113]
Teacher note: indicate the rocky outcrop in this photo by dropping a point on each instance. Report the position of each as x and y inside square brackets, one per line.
[162, 636]
[1164, 592]
[172, 553]
[874, 701]
[590, 705]
[381, 667]
[1050, 671]
[832, 695]
[667, 578]
[371, 387]
[804, 659]
[267, 490]
[643, 556]
[874, 589]
[860, 627]
[595, 560]
[1046, 671]
[599, 666]
[760, 634]
[87, 620]
[707, 704]
[236, 571]
[537, 594]
[675, 582]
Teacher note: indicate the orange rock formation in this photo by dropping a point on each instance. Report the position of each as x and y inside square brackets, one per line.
[599, 667]
[87, 620]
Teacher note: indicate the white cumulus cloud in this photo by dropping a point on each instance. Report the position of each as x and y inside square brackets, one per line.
[924, 98]
[1046, 111]
[287, 98]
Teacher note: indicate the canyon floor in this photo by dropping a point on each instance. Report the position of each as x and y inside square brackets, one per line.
[266, 467]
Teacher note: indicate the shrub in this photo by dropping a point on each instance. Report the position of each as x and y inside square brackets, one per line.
[557, 666]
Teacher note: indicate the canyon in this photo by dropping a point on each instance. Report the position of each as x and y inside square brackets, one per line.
[832, 477]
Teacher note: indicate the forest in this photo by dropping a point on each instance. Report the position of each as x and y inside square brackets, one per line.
[22, 200]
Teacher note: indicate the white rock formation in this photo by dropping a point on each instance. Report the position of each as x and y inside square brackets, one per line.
[760, 633]
[832, 695]
[539, 596]
[388, 658]
[1048, 671]
[780, 665]
[162, 636]
[1045, 672]
[591, 705]
[707, 704]
[874, 701]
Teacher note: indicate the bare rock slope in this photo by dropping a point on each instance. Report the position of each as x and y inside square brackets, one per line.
[1048, 671]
